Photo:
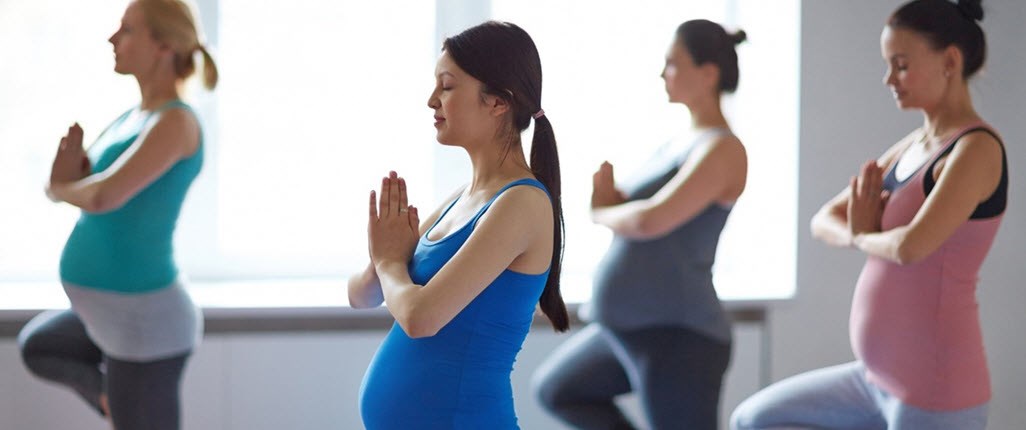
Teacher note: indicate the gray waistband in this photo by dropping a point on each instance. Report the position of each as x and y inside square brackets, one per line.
[139, 327]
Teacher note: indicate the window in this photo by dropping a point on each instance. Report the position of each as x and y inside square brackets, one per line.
[318, 99]
[601, 64]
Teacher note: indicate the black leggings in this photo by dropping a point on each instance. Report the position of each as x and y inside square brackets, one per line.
[141, 395]
[676, 372]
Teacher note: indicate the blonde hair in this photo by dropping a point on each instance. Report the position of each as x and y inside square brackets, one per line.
[172, 22]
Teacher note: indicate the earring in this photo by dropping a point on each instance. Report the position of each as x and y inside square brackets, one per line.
[947, 73]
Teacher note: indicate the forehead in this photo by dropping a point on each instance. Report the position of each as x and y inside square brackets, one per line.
[677, 49]
[446, 66]
[133, 14]
[902, 41]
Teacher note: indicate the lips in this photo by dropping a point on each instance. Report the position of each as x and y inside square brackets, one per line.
[439, 120]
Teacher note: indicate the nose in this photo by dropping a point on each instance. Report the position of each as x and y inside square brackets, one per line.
[888, 77]
[432, 101]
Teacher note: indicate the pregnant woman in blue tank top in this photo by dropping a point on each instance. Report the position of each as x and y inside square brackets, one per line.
[124, 344]
[464, 284]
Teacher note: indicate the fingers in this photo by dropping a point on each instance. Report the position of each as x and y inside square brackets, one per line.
[394, 199]
[75, 135]
[373, 207]
[393, 195]
[414, 220]
[383, 200]
[403, 198]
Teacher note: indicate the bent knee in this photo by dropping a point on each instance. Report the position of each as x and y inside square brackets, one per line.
[746, 416]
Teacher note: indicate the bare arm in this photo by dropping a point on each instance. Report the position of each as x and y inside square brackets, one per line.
[714, 172]
[970, 175]
[520, 219]
[173, 136]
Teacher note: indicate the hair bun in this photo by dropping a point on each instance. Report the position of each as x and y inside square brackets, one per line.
[739, 36]
[972, 9]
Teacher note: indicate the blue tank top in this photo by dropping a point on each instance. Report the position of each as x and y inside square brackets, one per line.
[665, 281]
[129, 250]
[460, 377]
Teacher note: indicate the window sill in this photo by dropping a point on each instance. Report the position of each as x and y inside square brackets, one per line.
[260, 306]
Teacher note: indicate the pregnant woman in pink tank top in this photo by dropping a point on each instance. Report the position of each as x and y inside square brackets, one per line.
[926, 214]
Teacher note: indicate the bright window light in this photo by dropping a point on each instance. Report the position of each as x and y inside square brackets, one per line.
[319, 99]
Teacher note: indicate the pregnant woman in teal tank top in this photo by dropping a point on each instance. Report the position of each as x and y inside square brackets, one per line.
[124, 343]
[464, 284]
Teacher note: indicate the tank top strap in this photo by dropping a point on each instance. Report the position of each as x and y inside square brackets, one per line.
[176, 103]
[525, 181]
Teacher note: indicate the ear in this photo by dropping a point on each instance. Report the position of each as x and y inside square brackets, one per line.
[953, 60]
[711, 74]
[498, 106]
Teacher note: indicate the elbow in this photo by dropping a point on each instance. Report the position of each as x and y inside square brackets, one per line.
[417, 325]
[644, 226]
[908, 253]
[100, 202]
[649, 230]
[356, 302]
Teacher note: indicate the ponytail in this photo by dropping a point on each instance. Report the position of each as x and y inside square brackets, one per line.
[210, 74]
[545, 167]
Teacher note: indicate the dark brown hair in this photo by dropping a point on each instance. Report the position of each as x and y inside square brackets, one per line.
[708, 42]
[945, 23]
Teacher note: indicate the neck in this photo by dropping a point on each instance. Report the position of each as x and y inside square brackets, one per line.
[706, 113]
[494, 166]
[156, 92]
[953, 112]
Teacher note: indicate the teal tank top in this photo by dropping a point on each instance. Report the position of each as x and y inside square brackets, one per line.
[129, 250]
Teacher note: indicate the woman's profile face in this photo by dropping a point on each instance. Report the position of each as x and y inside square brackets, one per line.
[917, 74]
[463, 114]
[682, 78]
[135, 49]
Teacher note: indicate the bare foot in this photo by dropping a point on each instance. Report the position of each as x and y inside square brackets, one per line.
[105, 407]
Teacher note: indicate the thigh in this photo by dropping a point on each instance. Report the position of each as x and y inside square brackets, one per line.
[677, 374]
[901, 416]
[145, 394]
[582, 368]
[58, 333]
[835, 397]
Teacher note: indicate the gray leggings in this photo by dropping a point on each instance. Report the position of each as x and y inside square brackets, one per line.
[840, 398]
[676, 372]
[141, 395]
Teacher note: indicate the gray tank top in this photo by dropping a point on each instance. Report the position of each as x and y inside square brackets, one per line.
[666, 281]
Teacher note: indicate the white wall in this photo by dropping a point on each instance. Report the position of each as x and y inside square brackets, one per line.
[847, 116]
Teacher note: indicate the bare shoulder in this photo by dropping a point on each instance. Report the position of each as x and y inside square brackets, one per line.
[725, 150]
[522, 205]
[978, 147]
[178, 127]
[529, 198]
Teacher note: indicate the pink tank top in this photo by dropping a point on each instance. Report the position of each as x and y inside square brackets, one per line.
[916, 327]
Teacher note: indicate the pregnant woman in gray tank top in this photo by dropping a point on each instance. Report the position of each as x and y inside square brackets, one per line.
[659, 329]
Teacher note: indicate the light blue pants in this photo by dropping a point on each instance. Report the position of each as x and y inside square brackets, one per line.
[840, 398]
